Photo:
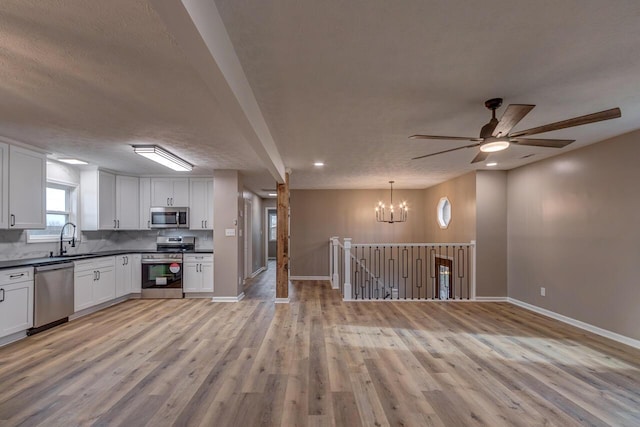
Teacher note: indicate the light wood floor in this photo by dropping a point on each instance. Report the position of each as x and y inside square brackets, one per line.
[316, 361]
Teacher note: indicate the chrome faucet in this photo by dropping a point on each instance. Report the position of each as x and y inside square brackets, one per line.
[73, 238]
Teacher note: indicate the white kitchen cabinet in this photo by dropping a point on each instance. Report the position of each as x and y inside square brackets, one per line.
[83, 288]
[108, 202]
[94, 282]
[127, 202]
[136, 273]
[4, 185]
[27, 189]
[201, 206]
[198, 273]
[16, 301]
[123, 275]
[145, 203]
[170, 192]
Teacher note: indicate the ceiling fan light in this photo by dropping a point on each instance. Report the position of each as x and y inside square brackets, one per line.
[493, 146]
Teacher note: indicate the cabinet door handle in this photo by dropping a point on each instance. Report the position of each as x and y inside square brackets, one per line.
[13, 220]
[205, 223]
[95, 275]
[172, 201]
[118, 223]
[149, 224]
[114, 223]
[15, 276]
[98, 274]
[2, 289]
[168, 202]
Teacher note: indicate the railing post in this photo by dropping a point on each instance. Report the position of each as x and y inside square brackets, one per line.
[334, 263]
[473, 270]
[347, 269]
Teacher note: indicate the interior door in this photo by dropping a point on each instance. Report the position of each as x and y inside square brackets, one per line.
[444, 284]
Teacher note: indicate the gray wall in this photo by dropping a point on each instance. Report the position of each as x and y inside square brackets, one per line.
[573, 228]
[228, 259]
[461, 192]
[491, 233]
[316, 215]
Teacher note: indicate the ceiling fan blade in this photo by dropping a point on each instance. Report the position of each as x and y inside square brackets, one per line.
[452, 138]
[552, 143]
[445, 151]
[511, 116]
[480, 157]
[613, 113]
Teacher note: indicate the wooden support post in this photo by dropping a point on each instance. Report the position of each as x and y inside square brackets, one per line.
[282, 268]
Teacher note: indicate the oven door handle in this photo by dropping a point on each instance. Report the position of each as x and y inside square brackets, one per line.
[161, 261]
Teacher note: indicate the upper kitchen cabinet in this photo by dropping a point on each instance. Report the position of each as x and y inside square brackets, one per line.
[4, 185]
[145, 203]
[170, 192]
[201, 207]
[127, 202]
[109, 202]
[27, 188]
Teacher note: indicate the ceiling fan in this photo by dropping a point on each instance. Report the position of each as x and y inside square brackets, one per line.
[496, 135]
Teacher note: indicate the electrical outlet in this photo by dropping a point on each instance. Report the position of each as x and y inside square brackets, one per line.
[543, 292]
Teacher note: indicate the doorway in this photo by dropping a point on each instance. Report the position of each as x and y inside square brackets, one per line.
[272, 233]
[444, 287]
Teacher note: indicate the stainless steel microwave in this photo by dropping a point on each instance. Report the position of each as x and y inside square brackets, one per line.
[169, 217]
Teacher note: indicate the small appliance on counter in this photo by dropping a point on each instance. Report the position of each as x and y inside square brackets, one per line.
[162, 271]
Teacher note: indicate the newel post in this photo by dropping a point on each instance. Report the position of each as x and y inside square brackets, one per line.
[347, 269]
[473, 270]
[334, 263]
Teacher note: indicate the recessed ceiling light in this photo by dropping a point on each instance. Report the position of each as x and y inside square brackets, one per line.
[492, 164]
[73, 161]
[272, 194]
[318, 164]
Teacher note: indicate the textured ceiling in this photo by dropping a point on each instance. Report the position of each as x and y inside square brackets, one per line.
[342, 82]
[347, 82]
[88, 79]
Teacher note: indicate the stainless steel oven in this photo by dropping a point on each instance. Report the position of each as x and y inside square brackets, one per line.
[162, 271]
[169, 217]
[162, 275]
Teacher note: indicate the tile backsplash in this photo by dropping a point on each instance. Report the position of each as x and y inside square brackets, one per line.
[13, 243]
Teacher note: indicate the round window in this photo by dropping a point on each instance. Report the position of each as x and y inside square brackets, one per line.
[444, 212]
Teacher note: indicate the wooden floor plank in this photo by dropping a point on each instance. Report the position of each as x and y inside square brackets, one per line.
[316, 361]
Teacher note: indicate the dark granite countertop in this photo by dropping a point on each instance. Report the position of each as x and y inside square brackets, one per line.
[33, 262]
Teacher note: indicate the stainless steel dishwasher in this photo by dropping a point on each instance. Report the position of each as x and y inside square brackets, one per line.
[53, 295]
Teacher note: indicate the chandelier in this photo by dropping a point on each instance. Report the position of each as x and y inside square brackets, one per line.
[381, 213]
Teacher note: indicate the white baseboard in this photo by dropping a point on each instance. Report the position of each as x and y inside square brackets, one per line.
[282, 300]
[492, 299]
[577, 323]
[258, 271]
[228, 299]
[309, 278]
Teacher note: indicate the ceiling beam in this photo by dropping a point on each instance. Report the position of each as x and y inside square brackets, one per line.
[198, 29]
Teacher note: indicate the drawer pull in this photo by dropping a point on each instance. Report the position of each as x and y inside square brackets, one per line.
[15, 276]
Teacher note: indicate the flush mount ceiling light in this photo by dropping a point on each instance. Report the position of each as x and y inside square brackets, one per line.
[73, 161]
[162, 156]
[272, 194]
[494, 144]
[491, 164]
[318, 164]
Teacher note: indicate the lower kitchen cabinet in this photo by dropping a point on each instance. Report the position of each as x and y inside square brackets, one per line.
[128, 274]
[198, 273]
[94, 282]
[16, 301]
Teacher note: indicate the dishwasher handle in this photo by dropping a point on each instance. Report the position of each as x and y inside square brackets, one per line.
[51, 267]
